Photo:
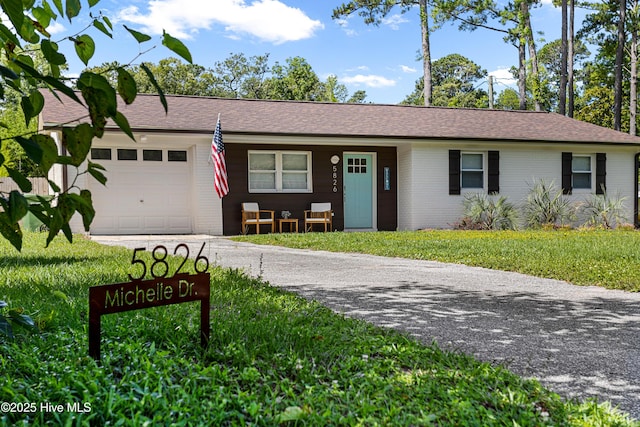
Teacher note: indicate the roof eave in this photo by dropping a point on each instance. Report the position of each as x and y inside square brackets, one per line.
[56, 126]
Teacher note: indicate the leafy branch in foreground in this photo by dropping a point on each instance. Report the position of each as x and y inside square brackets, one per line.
[19, 73]
[14, 317]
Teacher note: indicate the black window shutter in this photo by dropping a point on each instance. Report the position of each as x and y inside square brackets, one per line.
[494, 172]
[566, 173]
[601, 173]
[454, 172]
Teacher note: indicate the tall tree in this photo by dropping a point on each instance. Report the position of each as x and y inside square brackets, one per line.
[571, 53]
[511, 19]
[564, 51]
[527, 29]
[508, 99]
[175, 77]
[549, 57]
[617, 86]
[374, 11]
[633, 27]
[236, 77]
[170, 74]
[332, 91]
[611, 26]
[455, 81]
[294, 80]
[241, 77]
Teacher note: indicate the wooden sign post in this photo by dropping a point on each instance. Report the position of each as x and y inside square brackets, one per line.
[139, 294]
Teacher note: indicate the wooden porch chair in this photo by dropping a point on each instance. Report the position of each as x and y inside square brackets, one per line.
[320, 213]
[253, 215]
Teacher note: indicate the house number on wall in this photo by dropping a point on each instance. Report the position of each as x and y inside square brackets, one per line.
[334, 172]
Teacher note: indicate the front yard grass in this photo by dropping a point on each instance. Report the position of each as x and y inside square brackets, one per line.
[606, 258]
[273, 359]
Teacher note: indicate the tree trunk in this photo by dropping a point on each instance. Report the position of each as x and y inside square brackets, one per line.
[522, 74]
[426, 52]
[526, 16]
[562, 90]
[570, 58]
[617, 87]
[633, 84]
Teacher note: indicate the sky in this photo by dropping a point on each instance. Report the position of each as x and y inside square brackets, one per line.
[382, 60]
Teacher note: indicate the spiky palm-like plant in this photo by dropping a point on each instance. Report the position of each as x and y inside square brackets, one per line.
[490, 212]
[603, 210]
[546, 205]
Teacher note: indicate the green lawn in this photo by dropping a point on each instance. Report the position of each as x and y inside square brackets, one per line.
[273, 359]
[584, 257]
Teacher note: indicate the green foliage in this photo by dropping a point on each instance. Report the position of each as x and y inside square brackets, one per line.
[32, 63]
[490, 212]
[373, 12]
[607, 258]
[274, 358]
[455, 79]
[242, 77]
[596, 106]
[296, 80]
[603, 210]
[235, 77]
[13, 317]
[508, 99]
[549, 61]
[547, 206]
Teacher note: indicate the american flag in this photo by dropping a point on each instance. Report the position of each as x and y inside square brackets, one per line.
[219, 164]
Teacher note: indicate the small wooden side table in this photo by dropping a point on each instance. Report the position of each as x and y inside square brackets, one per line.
[293, 224]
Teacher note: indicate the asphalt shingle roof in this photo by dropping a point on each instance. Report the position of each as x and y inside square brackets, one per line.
[199, 114]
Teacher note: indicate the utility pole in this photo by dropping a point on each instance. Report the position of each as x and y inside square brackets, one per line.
[490, 92]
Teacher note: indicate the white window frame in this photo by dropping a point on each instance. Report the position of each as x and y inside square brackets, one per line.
[279, 171]
[463, 170]
[582, 172]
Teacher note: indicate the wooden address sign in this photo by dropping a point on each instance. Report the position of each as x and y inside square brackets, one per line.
[138, 294]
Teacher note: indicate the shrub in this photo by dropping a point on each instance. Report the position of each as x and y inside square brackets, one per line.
[546, 206]
[489, 212]
[601, 210]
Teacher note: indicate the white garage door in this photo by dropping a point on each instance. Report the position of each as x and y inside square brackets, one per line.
[148, 191]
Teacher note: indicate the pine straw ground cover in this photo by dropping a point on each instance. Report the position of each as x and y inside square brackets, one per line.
[273, 359]
[607, 258]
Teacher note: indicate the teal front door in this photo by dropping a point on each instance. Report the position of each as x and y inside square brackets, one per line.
[358, 191]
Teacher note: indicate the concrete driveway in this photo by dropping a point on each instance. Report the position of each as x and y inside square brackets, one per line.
[578, 341]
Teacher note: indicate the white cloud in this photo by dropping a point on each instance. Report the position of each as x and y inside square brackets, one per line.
[407, 69]
[359, 68]
[370, 80]
[344, 24]
[268, 20]
[503, 76]
[394, 21]
[56, 28]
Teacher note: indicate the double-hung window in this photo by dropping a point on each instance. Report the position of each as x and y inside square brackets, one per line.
[472, 170]
[581, 172]
[584, 172]
[280, 172]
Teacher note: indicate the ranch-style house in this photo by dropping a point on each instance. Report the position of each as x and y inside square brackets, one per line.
[382, 167]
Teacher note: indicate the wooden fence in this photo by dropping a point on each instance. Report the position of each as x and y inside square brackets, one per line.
[40, 185]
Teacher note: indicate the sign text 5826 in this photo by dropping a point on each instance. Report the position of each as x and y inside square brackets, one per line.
[160, 267]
